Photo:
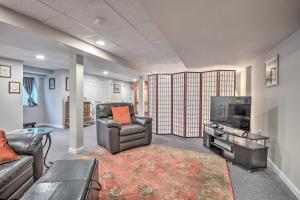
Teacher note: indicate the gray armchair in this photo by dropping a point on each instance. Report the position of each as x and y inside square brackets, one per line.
[115, 137]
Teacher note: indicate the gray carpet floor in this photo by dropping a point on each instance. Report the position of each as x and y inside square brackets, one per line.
[261, 185]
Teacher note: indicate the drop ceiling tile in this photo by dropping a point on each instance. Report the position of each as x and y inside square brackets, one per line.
[129, 39]
[147, 59]
[109, 46]
[30, 8]
[163, 46]
[86, 14]
[131, 10]
[64, 5]
[149, 30]
[69, 26]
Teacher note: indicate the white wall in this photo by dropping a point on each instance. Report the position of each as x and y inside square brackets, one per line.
[11, 105]
[96, 90]
[54, 99]
[36, 113]
[276, 110]
[100, 90]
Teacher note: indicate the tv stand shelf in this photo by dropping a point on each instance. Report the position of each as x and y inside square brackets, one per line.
[249, 151]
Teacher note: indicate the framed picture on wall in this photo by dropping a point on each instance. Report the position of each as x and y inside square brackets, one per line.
[117, 88]
[272, 72]
[67, 84]
[51, 83]
[5, 71]
[14, 87]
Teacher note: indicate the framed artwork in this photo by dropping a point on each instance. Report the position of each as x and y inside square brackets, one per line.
[67, 84]
[51, 83]
[117, 88]
[272, 72]
[14, 87]
[5, 71]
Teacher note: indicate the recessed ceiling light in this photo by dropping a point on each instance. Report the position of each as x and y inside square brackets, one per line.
[100, 42]
[40, 57]
[105, 72]
[134, 80]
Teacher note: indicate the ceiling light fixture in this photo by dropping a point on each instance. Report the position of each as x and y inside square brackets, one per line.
[99, 21]
[101, 42]
[134, 80]
[105, 72]
[40, 57]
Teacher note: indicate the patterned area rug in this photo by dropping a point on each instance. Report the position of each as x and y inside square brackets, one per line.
[158, 172]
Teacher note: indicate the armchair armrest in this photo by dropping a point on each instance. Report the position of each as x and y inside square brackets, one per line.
[28, 144]
[141, 120]
[110, 123]
[24, 144]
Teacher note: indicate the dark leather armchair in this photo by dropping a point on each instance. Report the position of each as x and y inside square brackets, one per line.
[16, 177]
[115, 137]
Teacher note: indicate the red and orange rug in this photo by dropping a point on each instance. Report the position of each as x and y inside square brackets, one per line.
[158, 172]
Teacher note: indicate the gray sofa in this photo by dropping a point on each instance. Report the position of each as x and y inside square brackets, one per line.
[115, 137]
[18, 176]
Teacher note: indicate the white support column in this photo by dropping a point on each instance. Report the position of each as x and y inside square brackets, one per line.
[76, 104]
[141, 96]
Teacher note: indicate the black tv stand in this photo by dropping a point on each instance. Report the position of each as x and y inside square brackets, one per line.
[248, 150]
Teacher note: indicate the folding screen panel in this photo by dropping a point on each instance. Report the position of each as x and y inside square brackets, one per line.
[178, 104]
[209, 88]
[164, 104]
[152, 100]
[227, 83]
[193, 104]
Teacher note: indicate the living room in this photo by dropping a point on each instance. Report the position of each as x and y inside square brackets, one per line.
[136, 99]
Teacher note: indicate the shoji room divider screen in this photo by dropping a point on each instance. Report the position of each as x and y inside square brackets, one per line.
[180, 103]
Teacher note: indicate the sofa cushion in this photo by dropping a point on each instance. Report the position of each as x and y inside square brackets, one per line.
[121, 115]
[6, 153]
[14, 174]
[128, 138]
[131, 129]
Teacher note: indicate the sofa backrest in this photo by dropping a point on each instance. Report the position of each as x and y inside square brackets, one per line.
[104, 110]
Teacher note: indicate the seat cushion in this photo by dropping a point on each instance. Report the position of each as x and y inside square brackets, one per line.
[131, 129]
[14, 174]
[136, 136]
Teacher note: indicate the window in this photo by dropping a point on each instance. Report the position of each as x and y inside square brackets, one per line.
[34, 95]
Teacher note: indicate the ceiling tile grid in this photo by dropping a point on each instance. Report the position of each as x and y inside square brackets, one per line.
[30, 8]
[130, 9]
[86, 13]
[63, 5]
[127, 29]
[109, 45]
[69, 26]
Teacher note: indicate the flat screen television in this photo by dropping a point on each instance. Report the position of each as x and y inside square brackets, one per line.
[231, 111]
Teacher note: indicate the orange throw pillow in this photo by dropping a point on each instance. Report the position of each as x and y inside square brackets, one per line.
[121, 115]
[6, 153]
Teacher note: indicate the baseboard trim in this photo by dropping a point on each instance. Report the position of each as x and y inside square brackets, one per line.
[77, 151]
[285, 179]
[51, 125]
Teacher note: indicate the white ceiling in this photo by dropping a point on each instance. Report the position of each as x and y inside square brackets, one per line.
[127, 30]
[16, 43]
[216, 32]
[172, 35]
